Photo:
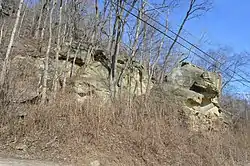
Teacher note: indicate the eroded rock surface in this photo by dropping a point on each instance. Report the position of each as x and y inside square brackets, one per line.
[199, 91]
[91, 79]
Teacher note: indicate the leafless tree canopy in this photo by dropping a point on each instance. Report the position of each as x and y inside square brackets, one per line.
[54, 38]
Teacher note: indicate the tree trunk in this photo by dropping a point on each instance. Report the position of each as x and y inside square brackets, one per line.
[58, 49]
[188, 13]
[6, 60]
[44, 25]
[34, 20]
[45, 77]
[2, 31]
[65, 21]
[66, 65]
[144, 29]
[94, 35]
[74, 60]
[134, 45]
[1, 1]
[96, 19]
[21, 22]
[116, 51]
[39, 21]
[120, 29]
[110, 37]
[114, 62]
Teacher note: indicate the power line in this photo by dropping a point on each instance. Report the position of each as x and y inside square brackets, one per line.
[160, 12]
[190, 42]
[234, 72]
[193, 45]
[182, 45]
[156, 9]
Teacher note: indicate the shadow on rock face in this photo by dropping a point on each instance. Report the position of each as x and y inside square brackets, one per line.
[199, 91]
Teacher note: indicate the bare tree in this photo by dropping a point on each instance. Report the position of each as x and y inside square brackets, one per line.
[1, 1]
[6, 60]
[44, 23]
[21, 22]
[75, 56]
[66, 65]
[66, 20]
[110, 36]
[2, 31]
[46, 67]
[224, 61]
[118, 29]
[58, 49]
[93, 40]
[34, 21]
[43, 7]
[134, 46]
[156, 58]
[195, 9]
[144, 29]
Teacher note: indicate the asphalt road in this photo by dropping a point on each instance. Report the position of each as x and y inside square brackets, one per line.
[20, 162]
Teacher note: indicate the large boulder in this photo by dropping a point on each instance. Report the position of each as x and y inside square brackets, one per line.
[195, 80]
[24, 79]
[199, 91]
[93, 79]
[85, 79]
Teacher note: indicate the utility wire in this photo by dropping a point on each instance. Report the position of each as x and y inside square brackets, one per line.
[156, 9]
[182, 45]
[160, 12]
[193, 45]
[234, 72]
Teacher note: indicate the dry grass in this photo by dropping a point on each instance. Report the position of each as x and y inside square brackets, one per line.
[151, 132]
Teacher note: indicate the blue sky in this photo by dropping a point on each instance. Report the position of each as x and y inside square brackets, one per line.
[226, 24]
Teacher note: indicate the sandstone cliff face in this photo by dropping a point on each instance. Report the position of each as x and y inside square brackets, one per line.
[94, 78]
[197, 90]
[200, 88]
[90, 79]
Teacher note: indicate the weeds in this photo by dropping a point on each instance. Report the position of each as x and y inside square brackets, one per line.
[147, 133]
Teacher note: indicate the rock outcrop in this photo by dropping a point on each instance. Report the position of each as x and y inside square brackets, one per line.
[90, 79]
[201, 88]
[93, 78]
[199, 91]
